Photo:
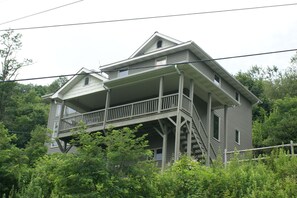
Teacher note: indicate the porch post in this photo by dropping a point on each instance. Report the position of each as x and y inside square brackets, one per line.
[161, 87]
[107, 103]
[189, 140]
[208, 128]
[164, 148]
[178, 117]
[225, 127]
[61, 113]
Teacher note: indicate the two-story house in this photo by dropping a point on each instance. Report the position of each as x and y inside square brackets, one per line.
[186, 102]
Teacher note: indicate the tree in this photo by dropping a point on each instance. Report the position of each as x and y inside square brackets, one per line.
[280, 126]
[12, 162]
[111, 165]
[10, 43]
[26, 111]
[57, 84]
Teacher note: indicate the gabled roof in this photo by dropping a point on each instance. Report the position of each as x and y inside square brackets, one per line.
[180, 46]
[151, 41]
[75, 79]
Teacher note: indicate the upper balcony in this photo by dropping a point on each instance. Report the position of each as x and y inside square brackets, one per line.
[127, 114]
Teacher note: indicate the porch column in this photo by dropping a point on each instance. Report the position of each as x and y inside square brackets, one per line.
[107, 103]
[225, 131]
[61, 113]
[208, 129]
[161, 88]
[164, 148]
[178, 117]
[189, 140]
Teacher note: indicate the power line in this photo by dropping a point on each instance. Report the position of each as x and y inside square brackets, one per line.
[165, 65]
[153, 17]
[51, 9]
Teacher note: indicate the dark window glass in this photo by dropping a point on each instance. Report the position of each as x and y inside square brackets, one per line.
[216, 127]
[87, 80]
[159, 44]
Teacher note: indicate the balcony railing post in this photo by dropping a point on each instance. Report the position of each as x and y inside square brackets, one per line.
[292, 148]
[161, 87]
[107, 103]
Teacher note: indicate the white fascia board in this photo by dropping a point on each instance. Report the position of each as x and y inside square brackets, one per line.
[224, 73]
[73, 80]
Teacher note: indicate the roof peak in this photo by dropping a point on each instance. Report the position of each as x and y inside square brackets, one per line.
[147, 46]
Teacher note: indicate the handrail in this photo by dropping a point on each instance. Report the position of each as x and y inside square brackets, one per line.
[196, 114]
[129, 110]
[262, 148]
[257, 156]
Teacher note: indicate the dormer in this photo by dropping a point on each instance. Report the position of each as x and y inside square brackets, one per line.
[156, 42]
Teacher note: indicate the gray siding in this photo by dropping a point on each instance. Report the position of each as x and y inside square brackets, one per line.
[149, 64]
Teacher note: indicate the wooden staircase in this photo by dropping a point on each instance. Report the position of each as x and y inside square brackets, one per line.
[199, 139]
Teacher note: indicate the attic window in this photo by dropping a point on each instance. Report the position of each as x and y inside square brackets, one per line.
[161, 61]
[159, 44]
[87, 80]
[123, 72]
[217, 80]
[237, 96]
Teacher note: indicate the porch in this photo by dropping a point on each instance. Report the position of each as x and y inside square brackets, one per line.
[144, 110]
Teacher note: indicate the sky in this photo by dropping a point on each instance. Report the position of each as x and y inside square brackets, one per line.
[65, 50]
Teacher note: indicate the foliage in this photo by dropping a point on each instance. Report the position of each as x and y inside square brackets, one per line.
[10, 44]
[280, 126]
[188, 178]
[12, 161]
[56, 84]
[117, 161]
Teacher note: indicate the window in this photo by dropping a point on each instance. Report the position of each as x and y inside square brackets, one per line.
[58, 110]
[237, 136]
[216, 127]
[87, 80]
[123, 72]
[54, 135]
[217, 80]
[161, 61]
[237, 96]
[159, 44]
[157, 154]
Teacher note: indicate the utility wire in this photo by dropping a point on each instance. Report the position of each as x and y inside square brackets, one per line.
[153, 17]
[165, 65]
[55, 8]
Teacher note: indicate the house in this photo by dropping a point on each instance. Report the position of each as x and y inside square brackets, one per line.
[186, 102]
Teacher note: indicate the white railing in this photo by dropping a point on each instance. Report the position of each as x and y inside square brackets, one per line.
[169, 101]
[133, 109]
[186, 103]
[140, 108]
[258, 153]
[90, 118]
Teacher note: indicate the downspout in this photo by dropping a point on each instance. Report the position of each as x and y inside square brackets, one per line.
[177, 70]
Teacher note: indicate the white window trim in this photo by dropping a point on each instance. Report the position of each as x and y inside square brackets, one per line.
[215, 81]
[238, 137]
[219, 128]
[53, 142]
[89, 80]
[58, 109]
[123, 70]
[155, 153]
[164, 58]
[236, 92]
